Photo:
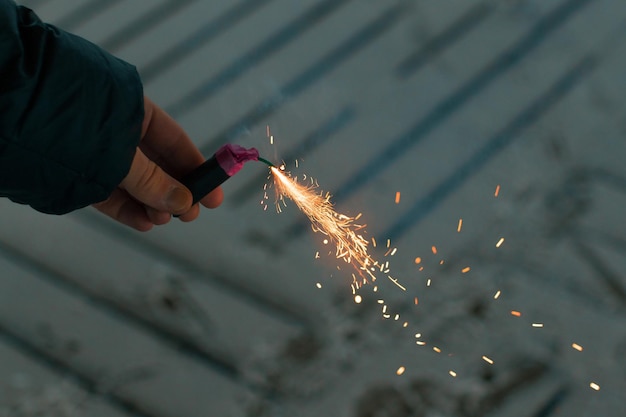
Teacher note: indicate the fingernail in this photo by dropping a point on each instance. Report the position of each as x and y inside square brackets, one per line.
[177, 200]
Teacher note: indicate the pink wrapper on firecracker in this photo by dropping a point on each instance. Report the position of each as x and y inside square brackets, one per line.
[232, 157]
[225, 163]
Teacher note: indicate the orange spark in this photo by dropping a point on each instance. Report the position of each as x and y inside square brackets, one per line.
[577, 347]
[418, 260]
[516, 313]
[458, 228]
[397, 197]
[347, 236]
[497, 192]
[434, 249]
[465, 270]
[400, 370]
[416, 301]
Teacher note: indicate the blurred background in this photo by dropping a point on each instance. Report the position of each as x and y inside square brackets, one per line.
[412, 113]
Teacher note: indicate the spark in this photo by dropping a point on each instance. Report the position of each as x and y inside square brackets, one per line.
[488, 360]
[416, 301]
[400, 370]
[358, 299]
[405, 324]
[465, 270]
[436, 349]
[428, 282]
[381, 301]
[537, 325]
[318, 285]
[434, 249]
[458, 228]
[397, 197]
[441, 262]
[452, 373]
[500, 242]
[420, 343]
[271, 139]
[497, 295]
[395, 281]
[317, 255]
[418, 260]
[418, 335]
[393, 251]
[577, 347]
[373, 242]
[396, 317]
[516, 313]
[347, 236]
[594, 386]
[497, 192]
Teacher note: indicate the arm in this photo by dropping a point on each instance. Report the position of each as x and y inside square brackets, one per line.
[76, 130]
[70, 115]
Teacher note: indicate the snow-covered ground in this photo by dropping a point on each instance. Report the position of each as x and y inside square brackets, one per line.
[409, 112]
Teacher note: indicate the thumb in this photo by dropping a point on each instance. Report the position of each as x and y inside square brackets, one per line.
[149, 184]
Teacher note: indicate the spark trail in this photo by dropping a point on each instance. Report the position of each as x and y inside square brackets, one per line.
[341, 230]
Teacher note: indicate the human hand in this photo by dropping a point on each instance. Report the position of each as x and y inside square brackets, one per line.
[149, 194]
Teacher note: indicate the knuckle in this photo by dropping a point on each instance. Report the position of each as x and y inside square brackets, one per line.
[149, 177]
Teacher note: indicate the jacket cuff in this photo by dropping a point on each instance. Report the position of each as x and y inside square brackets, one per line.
[71, 117]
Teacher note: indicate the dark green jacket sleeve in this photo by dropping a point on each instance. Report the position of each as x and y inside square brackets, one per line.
[70, 115]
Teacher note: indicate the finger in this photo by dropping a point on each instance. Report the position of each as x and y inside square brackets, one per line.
[165, 142]
[213, 199]
[149, 184]
[191, 215]
[123, 208]
[158, 217]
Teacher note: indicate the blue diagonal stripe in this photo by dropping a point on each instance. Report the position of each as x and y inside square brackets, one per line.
[495, 145]
[310, 76]
[200, 37]
[444, 109]
[257, 53]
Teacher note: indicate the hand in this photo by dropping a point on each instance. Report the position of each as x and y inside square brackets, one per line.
[149, 194]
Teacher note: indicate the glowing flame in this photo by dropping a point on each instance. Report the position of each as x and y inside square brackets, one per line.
[351, 246]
